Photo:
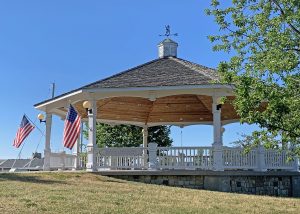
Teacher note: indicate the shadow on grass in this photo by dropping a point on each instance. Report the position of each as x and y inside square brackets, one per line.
[108, 179]
[28, 179]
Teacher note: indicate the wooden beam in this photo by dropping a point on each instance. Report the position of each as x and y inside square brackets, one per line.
[151, 109]
[206, 102]
[105, 102]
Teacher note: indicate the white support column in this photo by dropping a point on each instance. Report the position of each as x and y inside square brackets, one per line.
[222, 133]
[145, 145]
[91, 147]
[76, 153]
[152, 148]
[218, 143]
[47, 151]
[145, 137]
[63, 160]
[261, 164]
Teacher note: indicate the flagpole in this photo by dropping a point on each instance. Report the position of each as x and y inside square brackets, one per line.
[62, 142]
[35, 125]
[19, 155]
[81, 137]
[42, 135]
[41, 138]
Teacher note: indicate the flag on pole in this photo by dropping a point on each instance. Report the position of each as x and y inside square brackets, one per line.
[25, 128]
[72, 128]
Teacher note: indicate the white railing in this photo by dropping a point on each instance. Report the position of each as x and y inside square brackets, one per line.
[257, 159]
[236, 158]
[62, 160]
[122, 158]
[185, 157]
[277, 160]
[203, 158]
[82, 161]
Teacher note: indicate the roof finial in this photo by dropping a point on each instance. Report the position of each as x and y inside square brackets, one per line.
[168, 32]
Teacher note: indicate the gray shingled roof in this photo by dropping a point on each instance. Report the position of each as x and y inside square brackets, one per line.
[22, 163]
[168, 71]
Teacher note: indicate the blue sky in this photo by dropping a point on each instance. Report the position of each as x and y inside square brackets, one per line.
[75, 42]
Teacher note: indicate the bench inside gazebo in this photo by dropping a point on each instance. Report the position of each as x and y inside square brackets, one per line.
[165, 91]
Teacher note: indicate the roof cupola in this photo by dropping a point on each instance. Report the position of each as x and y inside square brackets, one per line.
[167, 47]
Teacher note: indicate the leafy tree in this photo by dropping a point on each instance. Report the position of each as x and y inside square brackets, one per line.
[263, 38]
[130, 136]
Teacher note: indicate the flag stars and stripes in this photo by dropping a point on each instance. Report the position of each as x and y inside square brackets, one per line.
[24, 130]
[72, 128]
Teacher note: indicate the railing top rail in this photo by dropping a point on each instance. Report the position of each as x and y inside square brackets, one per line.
[186, 147]
[236, 149]
[62, 154]
[121, 151]
[123, 148]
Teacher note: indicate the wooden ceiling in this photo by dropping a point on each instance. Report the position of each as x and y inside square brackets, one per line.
[172, 109]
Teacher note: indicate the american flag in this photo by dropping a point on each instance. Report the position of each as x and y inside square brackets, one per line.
[25, 128]
[72, 128]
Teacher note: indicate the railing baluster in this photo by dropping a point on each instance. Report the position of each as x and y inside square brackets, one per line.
[183, 157]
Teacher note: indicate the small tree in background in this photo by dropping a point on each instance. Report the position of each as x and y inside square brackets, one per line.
[129, 136]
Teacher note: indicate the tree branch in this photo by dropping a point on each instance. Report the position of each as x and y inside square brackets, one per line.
[270, 126]
[284, 15]
[292, 49]
[243, 34]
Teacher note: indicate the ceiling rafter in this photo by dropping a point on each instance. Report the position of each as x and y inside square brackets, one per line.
[205, 104]
[150, 111]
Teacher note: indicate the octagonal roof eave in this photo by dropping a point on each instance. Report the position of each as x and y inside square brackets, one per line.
[83, 93]
[116, 96]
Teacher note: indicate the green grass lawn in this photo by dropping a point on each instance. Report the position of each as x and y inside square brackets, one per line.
[91, 193]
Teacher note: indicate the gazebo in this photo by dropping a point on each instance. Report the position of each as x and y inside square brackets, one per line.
[165, 91]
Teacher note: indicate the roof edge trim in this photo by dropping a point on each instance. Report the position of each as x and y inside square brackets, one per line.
[63, 96]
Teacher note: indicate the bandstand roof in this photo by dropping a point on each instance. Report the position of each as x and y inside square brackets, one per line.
[167, 90]
[168, 71]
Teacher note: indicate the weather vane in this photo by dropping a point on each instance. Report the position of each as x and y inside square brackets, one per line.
[168, 32]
